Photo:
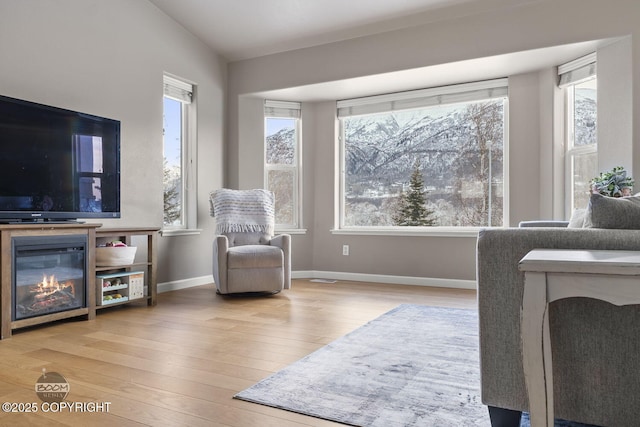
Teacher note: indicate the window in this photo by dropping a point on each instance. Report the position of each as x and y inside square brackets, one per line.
[578, 78]
[179, 149]
[282, 159]
[439, 152]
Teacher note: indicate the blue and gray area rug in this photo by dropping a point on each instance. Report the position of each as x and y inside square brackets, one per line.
[413, 366]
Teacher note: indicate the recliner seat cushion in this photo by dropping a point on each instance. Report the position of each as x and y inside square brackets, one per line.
[255, 238]
[255, 256]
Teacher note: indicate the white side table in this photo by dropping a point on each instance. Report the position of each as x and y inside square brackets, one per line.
[554, 274]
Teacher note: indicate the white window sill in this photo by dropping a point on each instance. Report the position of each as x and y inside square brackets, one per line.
[291, 231]
[168, 232]
[410, 231]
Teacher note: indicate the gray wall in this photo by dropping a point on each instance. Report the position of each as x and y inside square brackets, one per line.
[533, 105]
[615, 112]
[107, 58]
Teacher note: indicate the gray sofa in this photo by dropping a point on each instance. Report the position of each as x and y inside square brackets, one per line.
[595, 345]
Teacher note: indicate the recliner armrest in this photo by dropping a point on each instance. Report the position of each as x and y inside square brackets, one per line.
[283, 241]
[220, 248]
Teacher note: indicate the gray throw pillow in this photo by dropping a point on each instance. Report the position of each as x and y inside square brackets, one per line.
[612, 212]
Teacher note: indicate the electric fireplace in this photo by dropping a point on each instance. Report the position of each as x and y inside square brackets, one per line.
[49, 274]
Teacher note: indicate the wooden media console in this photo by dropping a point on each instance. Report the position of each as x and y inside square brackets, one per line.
[144, 269]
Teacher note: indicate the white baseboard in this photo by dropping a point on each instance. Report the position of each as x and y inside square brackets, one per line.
[337, 275]
[185, 283]
[382, 278]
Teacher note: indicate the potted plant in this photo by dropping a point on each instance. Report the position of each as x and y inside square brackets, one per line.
[615, 183]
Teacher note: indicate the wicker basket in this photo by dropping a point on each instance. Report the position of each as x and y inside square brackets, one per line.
[109, 256]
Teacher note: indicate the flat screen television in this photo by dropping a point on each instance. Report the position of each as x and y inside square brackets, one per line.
[57, 164]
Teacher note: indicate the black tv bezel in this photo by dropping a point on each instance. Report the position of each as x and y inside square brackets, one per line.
[36, 216]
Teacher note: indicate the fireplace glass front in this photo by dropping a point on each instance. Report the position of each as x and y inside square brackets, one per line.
[48, 274]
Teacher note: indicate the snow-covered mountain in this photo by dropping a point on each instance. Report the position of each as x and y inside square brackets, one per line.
[280, 147]
[453, 149]
[585, 116]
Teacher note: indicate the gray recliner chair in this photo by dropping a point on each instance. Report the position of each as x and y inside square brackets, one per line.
[247, 257]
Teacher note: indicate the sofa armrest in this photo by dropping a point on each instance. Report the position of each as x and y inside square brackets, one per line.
[583, 331]
[283, 241]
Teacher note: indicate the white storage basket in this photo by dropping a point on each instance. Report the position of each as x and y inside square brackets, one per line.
[109, 256]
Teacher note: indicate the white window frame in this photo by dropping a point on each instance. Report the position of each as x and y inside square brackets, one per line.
[459, 93]
[184, 92]
[571, 74]
[287, 110]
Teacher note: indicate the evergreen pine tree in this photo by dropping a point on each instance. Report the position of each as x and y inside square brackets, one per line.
[412, 209]
[171, 196]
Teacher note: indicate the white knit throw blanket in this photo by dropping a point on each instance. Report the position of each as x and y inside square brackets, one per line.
[242, 211]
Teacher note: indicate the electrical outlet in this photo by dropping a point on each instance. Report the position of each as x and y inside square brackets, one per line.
[345, 249]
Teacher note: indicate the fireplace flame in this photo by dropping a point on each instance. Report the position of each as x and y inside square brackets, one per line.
[50, 285]
[51, 282]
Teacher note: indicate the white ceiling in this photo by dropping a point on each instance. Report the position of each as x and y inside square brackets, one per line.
[243, 29]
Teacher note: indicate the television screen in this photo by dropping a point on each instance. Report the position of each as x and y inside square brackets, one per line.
[57, 164]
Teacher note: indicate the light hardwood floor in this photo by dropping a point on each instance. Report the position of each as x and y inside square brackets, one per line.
[180, 363]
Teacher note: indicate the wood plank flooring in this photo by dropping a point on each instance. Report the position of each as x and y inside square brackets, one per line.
[180, 363]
